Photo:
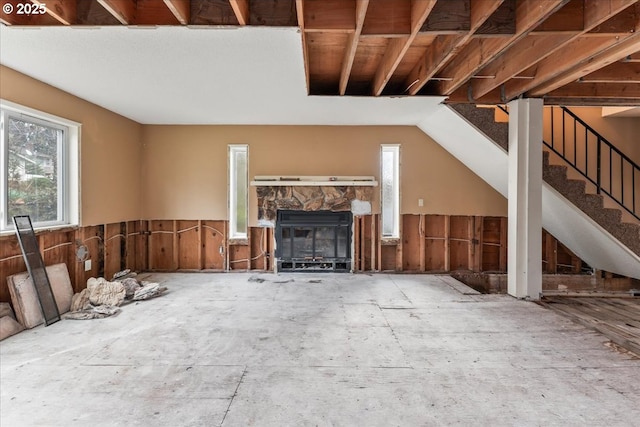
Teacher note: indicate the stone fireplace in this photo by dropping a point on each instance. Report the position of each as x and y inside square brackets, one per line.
[313, 218]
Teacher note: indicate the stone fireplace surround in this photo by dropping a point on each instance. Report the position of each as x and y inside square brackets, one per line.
[336, 194]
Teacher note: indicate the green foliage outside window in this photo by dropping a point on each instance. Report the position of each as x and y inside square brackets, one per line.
[32, 170]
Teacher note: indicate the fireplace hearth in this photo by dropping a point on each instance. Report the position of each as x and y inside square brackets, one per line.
[313, 241]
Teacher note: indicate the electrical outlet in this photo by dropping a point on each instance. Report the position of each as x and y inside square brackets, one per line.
[421, 202]
[87, 265]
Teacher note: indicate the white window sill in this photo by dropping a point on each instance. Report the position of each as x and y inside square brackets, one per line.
[37, 230]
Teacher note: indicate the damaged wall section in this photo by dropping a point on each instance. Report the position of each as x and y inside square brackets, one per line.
[429, 244]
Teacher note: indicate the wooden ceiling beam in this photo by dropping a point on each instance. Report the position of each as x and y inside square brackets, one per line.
[634, 57]
[181, 9]
[627, 72]
[329, 15]
[445, 47]
[568, 19]
[449, 17]
[241, 10]
[303, 37]
[501, 23]
[591, 102]
[154, 12]
[352, 45]
[624, 22]
[397, 48]
[595, 9]
[522, 55]
[388, 18]
[123, 10]
[560, 70]
[461, 96]
[480, 52]
[64, 12]
[300, 13]
[620, 91]
[533, 49]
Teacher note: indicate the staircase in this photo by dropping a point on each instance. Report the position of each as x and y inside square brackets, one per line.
[579, 219]
[591, 204]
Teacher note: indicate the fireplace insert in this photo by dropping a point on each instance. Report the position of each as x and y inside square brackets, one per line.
[313, 241]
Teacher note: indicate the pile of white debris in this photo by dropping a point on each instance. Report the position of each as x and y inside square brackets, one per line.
[102, 298]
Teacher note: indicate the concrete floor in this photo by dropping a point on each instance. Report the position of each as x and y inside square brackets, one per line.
[318, 350]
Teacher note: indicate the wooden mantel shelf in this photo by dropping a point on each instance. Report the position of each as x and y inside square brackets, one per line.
[309, 181]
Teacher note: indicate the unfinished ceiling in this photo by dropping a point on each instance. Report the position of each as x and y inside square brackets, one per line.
[580, 52]
[179, 75]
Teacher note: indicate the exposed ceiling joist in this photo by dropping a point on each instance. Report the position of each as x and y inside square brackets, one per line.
[622, 23]
[529, 15]
[181, 9]
[64, 12]
[450, 17]
[123, 10]
[617, 90]
[241, 10]
[305, 50]
[447, 46]
[352, 45]
[524, 54]
[591, 55]
[533, 49]
[569, 19]
[588, 101]
[487, 51]
[628, 72]
[397, 48]
[328, 15]
[462, 95]
[595, 9]
[388, 18]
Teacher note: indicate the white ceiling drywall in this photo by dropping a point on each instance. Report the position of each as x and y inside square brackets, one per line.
[199, 75]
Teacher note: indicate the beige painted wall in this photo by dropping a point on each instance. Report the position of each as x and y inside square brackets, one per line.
[131, 171]
[185, 167]
[623, 132]
[110, 148]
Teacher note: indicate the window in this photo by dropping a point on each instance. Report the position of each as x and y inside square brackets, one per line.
[390, 190]
[238, 190]
[39, 167]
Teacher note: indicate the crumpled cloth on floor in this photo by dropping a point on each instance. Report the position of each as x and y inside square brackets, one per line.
[92, 312]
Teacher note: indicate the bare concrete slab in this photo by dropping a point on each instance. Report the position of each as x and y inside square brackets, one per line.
[326, 350]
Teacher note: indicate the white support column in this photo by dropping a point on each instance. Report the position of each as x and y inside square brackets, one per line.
[525, 199]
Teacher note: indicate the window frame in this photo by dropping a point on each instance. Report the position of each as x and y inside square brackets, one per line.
[234, 204]
[395, 233]
[68, 165]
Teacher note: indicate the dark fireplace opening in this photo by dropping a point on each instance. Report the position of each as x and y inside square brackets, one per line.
[313, 241]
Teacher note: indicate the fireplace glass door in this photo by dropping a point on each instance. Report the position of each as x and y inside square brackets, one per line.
[312, 241]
